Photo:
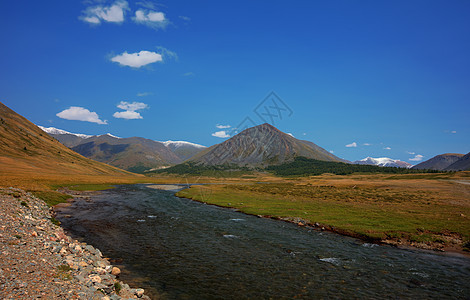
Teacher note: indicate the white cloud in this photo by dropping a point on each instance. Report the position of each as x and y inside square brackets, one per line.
[417, 157]
[114, 13]
[128, 115]
[352, 145]
[453, 131]
[153, 19]
[304, 133]
[137, 60]
[143, 94]
[77, 113]
[411, 153]
[129, 112]
[188, 74]
[221, 134]
[367, 144]
[331, 151]
[387, 148]
[222, 126]
[132, 106]
[187, 19]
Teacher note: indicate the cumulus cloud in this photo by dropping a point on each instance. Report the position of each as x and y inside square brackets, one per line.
[114, 13]
[77, 113]
[137, 60]
[221, 134]
[129, 112]
[132, 106]
[417, 157]
[153, 19]
[352, 145]
[128, 115]
[222, 126]
[387, 148]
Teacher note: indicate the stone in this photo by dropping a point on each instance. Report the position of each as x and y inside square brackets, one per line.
[116, 271]
[34, 233]
[95, 278]
[82, 264]
[139, 293]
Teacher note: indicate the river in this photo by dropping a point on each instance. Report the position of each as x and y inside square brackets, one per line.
[181, 249]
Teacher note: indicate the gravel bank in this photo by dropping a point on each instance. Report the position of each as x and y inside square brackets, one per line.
[39, 261]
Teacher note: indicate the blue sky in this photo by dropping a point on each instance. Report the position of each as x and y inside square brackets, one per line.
[386, 78]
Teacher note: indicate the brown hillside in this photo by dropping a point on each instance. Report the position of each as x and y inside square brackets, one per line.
[24, 147]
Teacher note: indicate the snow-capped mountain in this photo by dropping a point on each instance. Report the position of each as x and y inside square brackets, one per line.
[383, 162]
[53, 130]
[135, 154]
[179, 144]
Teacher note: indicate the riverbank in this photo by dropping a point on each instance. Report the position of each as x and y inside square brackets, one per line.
[420, 214]
[38, 260]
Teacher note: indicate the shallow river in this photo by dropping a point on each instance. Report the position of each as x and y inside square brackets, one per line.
[181, 249]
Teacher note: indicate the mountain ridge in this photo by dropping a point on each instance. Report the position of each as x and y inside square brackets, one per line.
[261, 145]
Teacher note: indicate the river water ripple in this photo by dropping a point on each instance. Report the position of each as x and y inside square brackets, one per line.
[180, 249]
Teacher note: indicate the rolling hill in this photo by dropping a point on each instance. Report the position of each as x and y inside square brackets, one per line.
[439, 162]
[463, 164]
[24, 147]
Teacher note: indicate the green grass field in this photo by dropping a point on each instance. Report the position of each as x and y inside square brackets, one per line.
[414, 214]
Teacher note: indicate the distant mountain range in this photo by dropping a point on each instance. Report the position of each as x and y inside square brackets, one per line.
[26, 149]
[134, 154]
[446, 162]
[261, 145]
[383, 162]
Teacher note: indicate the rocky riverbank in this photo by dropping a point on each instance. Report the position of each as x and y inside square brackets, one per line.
[38, 260]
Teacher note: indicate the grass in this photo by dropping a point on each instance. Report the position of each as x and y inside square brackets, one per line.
[91, 187]
[412, 211]
[51, 197]
[64, 272]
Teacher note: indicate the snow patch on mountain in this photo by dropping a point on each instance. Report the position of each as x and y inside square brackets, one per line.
[178, 144]
[383, 162]
[53, 130]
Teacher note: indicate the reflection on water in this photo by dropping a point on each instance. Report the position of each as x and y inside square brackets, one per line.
[183, 249]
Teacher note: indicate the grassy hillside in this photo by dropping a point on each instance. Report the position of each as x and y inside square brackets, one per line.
[25, 148]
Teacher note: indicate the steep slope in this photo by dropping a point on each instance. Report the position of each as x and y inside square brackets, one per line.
[25, 147]
[439, 162]
[134, 154]
[259, 146]
[383, 162]
[463, 164]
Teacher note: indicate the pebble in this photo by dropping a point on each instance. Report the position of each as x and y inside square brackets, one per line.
[39, 261]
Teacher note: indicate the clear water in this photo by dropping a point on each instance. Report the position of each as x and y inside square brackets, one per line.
[180, 249]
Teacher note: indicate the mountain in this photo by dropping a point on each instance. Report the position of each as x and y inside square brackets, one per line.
[463, 164]
[184, 150]
[135, 154]
[24, 147]
[260, 146]
[383, 162]
[439, 162]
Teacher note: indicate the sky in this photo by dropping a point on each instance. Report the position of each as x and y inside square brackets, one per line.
[358, 78]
